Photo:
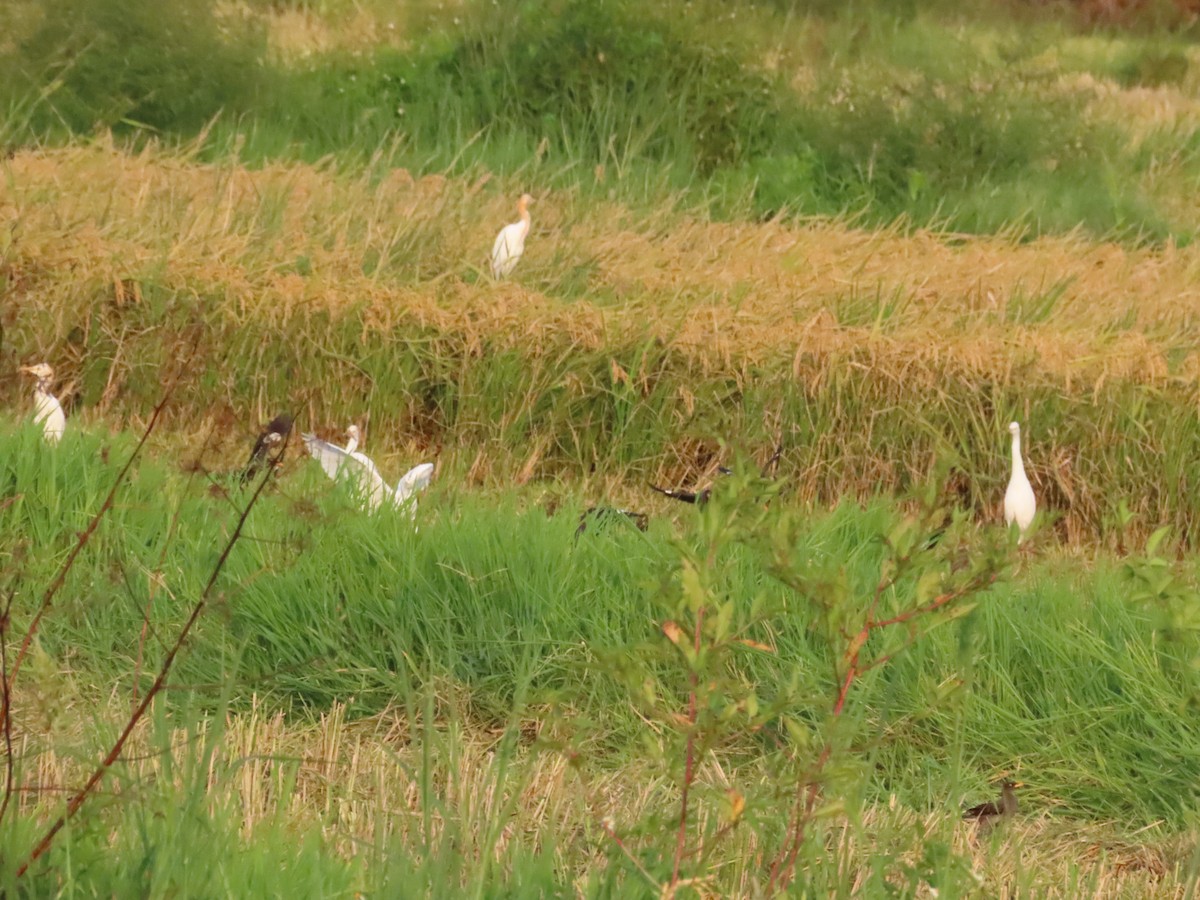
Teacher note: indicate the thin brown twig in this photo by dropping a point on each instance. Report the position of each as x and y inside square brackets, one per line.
[153, 581]
[114, 752]
[61, 576]
[5, 687]
[690, 758]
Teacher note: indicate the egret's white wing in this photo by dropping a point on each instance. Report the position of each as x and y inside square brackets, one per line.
[51, 417]
[337, 463]
[414, 481]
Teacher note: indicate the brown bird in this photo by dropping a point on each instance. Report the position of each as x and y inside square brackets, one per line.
[987, 814]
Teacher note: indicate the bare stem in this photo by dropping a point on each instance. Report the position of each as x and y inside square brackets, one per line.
[160, 680]
[7, 706]
[689, 773]
[84, 536]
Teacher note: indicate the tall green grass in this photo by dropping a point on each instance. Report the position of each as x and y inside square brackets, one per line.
[923, 114]
[489, 615]
[322, 604]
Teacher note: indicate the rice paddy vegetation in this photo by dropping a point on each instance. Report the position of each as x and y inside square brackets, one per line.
[870, 236]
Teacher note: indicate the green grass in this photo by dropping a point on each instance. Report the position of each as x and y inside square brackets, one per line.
[493, 613]
[928, 114]
[366, 708]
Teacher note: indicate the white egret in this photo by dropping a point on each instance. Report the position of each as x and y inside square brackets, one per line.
[271, 437]
[49, 412]
[1019, 502]
[353, 437]
[365, 477]
[510, 242]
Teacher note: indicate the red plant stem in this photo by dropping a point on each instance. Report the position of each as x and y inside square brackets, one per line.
[153, 585]
[114, 753]
[7, 723]
[61, 576]
[783, 866]
[690, 759]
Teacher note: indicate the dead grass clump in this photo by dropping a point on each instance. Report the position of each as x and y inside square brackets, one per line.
[360, 784]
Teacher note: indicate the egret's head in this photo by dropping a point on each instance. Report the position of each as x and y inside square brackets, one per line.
[524, 202]
[1014, 429]
[352, 432]
[41, 371]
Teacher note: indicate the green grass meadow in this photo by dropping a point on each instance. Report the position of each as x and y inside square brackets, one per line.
[491, 616]
[867, 234]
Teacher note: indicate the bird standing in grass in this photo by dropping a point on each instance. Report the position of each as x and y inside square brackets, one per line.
[49, 412]
[270, 440]
[369, 484]
[1019, 502]
[987, 814]
[510, 242]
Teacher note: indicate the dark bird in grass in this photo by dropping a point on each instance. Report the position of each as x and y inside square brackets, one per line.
[599, 514]
[988, 814]
[271, 440]
[699, 498]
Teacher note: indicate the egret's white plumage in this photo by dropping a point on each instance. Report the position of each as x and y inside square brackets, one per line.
[1019, 502]
[510, 242]
[352, 436]
[366, 479]
[48, 411]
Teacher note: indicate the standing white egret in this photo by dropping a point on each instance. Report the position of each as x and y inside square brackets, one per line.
[367, 481]
[1019, 502]
[510, 242]
[49, 412]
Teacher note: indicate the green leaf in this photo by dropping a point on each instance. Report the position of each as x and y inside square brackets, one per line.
[1156, 539]
[723, 620]
[694, 593]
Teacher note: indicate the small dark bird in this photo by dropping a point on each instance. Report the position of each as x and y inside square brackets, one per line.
[270, 440]
[987, 814]
[771, 464]
[605, 513]
[697, 497]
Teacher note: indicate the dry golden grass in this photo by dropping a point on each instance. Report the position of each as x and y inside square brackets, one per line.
[359, 784]
[89, 223]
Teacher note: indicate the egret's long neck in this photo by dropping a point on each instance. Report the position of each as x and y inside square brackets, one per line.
[523, 212]
[43, 388]
[1018, 465]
